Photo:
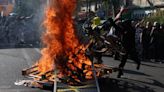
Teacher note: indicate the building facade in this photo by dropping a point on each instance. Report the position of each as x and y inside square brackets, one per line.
[142, 8]
[6, 6]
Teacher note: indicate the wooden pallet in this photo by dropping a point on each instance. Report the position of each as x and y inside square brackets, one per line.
[46, 81]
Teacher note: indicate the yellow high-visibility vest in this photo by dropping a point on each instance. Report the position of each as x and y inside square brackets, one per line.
[96, 21]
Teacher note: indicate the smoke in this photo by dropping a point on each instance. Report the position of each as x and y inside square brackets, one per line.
[32, 12]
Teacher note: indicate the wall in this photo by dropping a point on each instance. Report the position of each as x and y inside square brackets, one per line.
[6, 6]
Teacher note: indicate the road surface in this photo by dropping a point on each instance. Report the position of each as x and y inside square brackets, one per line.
[12, 61]
[148, 79]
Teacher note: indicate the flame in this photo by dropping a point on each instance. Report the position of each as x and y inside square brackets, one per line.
[62, 51]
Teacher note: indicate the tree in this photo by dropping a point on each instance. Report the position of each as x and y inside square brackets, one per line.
[158, 16]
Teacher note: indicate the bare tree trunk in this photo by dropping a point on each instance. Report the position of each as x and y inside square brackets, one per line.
[150, 3]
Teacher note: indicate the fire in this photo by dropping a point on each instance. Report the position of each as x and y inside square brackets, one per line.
[63, 51]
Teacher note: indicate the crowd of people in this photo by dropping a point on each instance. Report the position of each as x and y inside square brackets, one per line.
[141, 43]
[146, 37]
[15, 30]
[151, 41]
[136, 40]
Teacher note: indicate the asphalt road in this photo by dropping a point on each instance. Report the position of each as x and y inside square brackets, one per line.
[12, 61]
[148, 79]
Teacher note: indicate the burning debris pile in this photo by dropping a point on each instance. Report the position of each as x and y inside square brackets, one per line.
[63, 52]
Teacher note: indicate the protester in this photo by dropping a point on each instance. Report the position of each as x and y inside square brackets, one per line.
[138, 40]
[153, 41]
[160, 45]
[146, 40]
[127, 36]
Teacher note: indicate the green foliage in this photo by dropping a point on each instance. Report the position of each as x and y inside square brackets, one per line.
[158, 16]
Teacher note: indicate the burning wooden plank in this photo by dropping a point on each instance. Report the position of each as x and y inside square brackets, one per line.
[47, 74]
[30, 70]
[99, 68]
[48, 79]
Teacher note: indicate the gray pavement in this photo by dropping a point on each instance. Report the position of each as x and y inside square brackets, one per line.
[12, 61]
[148, 79]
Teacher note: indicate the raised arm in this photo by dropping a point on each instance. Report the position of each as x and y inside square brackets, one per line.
[119, 14]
